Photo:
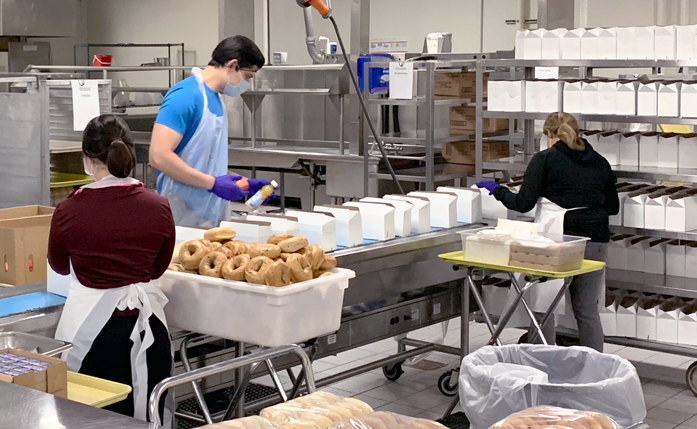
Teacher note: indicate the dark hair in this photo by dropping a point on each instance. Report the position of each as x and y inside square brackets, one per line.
[239, 48]
[108, 139]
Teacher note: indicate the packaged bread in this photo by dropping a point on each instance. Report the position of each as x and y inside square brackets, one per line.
[319, 409]
[385, 420]
[254, 422]
[557, 418]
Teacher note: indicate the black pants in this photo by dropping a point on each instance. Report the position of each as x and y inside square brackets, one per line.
[110, 357]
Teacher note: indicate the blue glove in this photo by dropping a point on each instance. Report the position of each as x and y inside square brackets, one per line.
[226, 188]
[256, 184]
[489, 185]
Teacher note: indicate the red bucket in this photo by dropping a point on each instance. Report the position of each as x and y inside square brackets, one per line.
[102, 61]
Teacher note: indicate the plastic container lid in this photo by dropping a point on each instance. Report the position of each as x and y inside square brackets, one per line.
[274, 184]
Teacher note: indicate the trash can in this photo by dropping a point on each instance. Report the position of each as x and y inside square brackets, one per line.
[496, 382]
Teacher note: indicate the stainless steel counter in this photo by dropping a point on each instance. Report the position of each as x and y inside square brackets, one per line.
[23, 408]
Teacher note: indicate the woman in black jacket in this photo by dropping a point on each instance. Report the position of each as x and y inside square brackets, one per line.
[573, 176]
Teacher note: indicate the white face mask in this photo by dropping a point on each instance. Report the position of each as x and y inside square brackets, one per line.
[237, 90]
[88, 165]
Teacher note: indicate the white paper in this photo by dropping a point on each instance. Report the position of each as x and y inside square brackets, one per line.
[279, 225]
[402, 214]
[681, 214]
[250, 231]
[625, 99]
[607, 95]
[520, 44]
[515, 100]
[318, 228]
[626, 45]
[85, 102]
[655, 213]
[655, 257]
[686, 42]
[533, 44]
[691, 261]
[443, 208]
[402, 81]
[542, 96]
[349, 229]
[497, 94]
[547, 72]
[377, 220]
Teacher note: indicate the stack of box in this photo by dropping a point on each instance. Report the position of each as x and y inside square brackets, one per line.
[463, 152]
[35, 371]
[24, 242]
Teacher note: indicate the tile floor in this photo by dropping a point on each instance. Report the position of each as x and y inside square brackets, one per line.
[670, 404]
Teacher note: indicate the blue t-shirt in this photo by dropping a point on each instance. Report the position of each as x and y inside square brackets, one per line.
[182, 109]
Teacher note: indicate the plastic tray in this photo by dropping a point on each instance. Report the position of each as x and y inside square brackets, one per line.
[95, 391]
[255, 314]
[33, 343]
[61, 180]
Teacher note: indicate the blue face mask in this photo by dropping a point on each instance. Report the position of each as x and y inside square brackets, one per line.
[236, 90]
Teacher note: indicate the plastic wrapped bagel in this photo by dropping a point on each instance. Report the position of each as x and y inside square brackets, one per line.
[283, 260]
[385, 420]
[318, 410]
[546, 417]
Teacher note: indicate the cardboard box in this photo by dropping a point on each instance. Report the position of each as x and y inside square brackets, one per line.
[629, 149]
[543, 96]
[551, 43]
[24, 244]
[675, 258]
[687, 151]
[532, 44]
[377, 220]
[635, 253]
[573, 97]
[279, 224]
[349, 228]
[420, 214]
[647, 99]
[458, 85]
[635, 209]
[691, 260]
[463, 152]
[589, 45]
[669, 99]
[443, 207]
[688, 100]
[644, 39]
[492, 208]
[606, 43]
[648, 150]
[520, 44]
[655, 257]
[655, 210]
[687, 325]
[668, 150]
[497, 90]
[667, 317]
[251, 231]
[617, 251]
[608, 146]
[681, 211]
[625, 98]
[665, 43]
[469, 203]
[686, 42]
[646, 318]
[318, 227]
[589, 97]
[402, 214]
[626, 44]
[570, 44]
[515, 96]
[622, 192]
[52, 380]
[627, 316]
[463, 121]
[607, 97]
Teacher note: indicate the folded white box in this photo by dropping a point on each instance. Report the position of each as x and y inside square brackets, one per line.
[665, 43]
[608, 146]
[349, 228]
[520, 44]
[279, 224]
[636, 252]
[492, 208]
[686, 45]
[617, 251]
[626, 43]
[625, 98]
[669, 99]
[377, 220]
[532, 44]
[635, 209]
[318, 228]
[589, 45]
[655, 257]
[655, 211]
[402, 214]
[687, 325]
[497, 94]
[691, 260]
[629, 149]
[589, 98]
[608, 316]
[681, 212]
[647, 99]
[573, 97]
[469, 203]
[515, 96]
[251, 231]
[607, 97]
[185, 233]
[687, 151]
[646, 319]
[648, 150]
[570, 44]
[443, 207]
[667, 322]
[644, 39]
[675, 258]
[551, 44]
[420, 214]
[668, 150]
[688, 100]
[627, 316]
[542, 96]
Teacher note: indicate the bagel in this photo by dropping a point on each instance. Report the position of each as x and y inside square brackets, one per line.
[221, 233]
[205, 242]
[343, 411]
[300, 269]
[328, 263]
[215, 246]
[277, 275]
[212, 264]
[227, 252]
[191, 254]
[176, 254]
[237, 247]
[234, 268]
[314, 254]
[277, 238]
[271, 251]
[603, 420]
[174, 266]
[330, 397]
[256, 269]
[290, 245]
[362, 406]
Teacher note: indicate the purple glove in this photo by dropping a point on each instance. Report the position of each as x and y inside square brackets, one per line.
[226, 188]
[256, 184]
[489, 185]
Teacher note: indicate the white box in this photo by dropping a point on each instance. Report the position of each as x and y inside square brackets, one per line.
[542, 96]
[688, 100]
[570, 44]
[608, 146]
[647, 99]
[667, 317]
[607, 43]
[691, 260]
[667, 150]
[608, 316]
[687, 325]
[532, 44]
[681, 212]
[515, 96]
[589, 98]
[675, 258]
[644, 43]
[402, 214]
[626, 44]
[655, 257]
[589, 45]
[665, 43]
[627, 317]
[497, 94]
[250, 231]
[648, 150]
[686, 44]
[403, 81]
[617, 251]
[186, 233]
[669, 99]
[655, 210]
[492, 208]
[318, 228]
[551, 43]
[469, 203]
[607, 96]
[625, 98]
[420, 214]
[443, 207]
[573, 98]
[635, 253]
[349, 229]
[647, 318]
[520, 44]
[279, 224]
[687, 151]
[377, 220]
[629, 149]
[634, 209]
[256, 314]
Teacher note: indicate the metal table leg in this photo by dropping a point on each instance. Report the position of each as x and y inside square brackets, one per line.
[555, 303]
[197, 389]
[530, 313]
[238, 397]
[276, 381]
[509, 312]
[480, 303]
[240, 375]
[465, 320]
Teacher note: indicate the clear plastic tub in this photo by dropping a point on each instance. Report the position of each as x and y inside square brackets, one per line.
[486, 246]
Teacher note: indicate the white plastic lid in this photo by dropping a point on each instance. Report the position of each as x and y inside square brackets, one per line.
[274, 184]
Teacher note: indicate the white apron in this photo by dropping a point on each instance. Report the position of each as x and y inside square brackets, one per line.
[87, 310]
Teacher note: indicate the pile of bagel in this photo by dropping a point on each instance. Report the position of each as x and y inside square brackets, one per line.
[547, 417]
[385, 420]
[283, 260]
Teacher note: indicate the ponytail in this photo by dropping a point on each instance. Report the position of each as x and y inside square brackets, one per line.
[564, 126]
[107, 139]
[120, 159]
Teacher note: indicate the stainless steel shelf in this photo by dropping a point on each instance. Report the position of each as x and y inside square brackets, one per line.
[651, 283]
[421, 101]
[617, 64]
[594, 118]
[442, 173]
[420, 138]
[691, 236]
[287, 91]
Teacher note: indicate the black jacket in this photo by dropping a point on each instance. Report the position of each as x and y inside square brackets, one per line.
[570, 179]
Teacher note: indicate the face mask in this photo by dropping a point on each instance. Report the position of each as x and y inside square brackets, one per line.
[236, 90]
[88, 166]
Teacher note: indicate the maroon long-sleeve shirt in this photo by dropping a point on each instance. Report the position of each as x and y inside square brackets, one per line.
[112, 236]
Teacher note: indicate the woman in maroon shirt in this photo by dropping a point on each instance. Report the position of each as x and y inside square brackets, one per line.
[116, 239]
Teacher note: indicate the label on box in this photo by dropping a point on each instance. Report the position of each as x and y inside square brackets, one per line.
[546, 72]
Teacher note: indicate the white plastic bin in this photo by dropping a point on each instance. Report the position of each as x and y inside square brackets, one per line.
[256, 314]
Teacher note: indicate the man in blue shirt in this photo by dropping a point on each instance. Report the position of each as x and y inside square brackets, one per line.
[189, 144]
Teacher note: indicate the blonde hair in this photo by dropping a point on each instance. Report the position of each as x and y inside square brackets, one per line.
[564, 126]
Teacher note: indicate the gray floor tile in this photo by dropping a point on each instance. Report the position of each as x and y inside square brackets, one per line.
[653, 400]
[689, 407]
[612, 348]
[686, 395]
[441, 409]
[692, 422]
[361, 383]
[404, 410]
[337, 392]
[635, 355]
[389, 392]
[321, 366]
[426, 400]
[347, 357]
[667, 390]
[657, 424]
[670, 416]
[684, 427]
[429, 415]
[373, 402]
[667, 360]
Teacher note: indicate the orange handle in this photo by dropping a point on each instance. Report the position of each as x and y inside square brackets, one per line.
[320, 6]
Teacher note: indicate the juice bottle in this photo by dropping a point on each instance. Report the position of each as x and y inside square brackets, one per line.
[261, 195]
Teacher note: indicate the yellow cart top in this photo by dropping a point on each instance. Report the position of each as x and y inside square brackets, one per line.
[458, 258]
[95, 391]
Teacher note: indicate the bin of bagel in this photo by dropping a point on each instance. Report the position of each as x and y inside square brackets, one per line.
[280, 292]
[555, 417]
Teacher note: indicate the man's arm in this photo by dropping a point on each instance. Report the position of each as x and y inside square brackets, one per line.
[162, 157]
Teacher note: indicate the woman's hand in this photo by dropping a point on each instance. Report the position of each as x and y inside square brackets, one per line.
[489, 185]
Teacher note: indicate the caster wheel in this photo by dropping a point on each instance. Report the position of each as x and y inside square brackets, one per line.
[523, 339]
[691, 378]
[393, 372]
[447, 385]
